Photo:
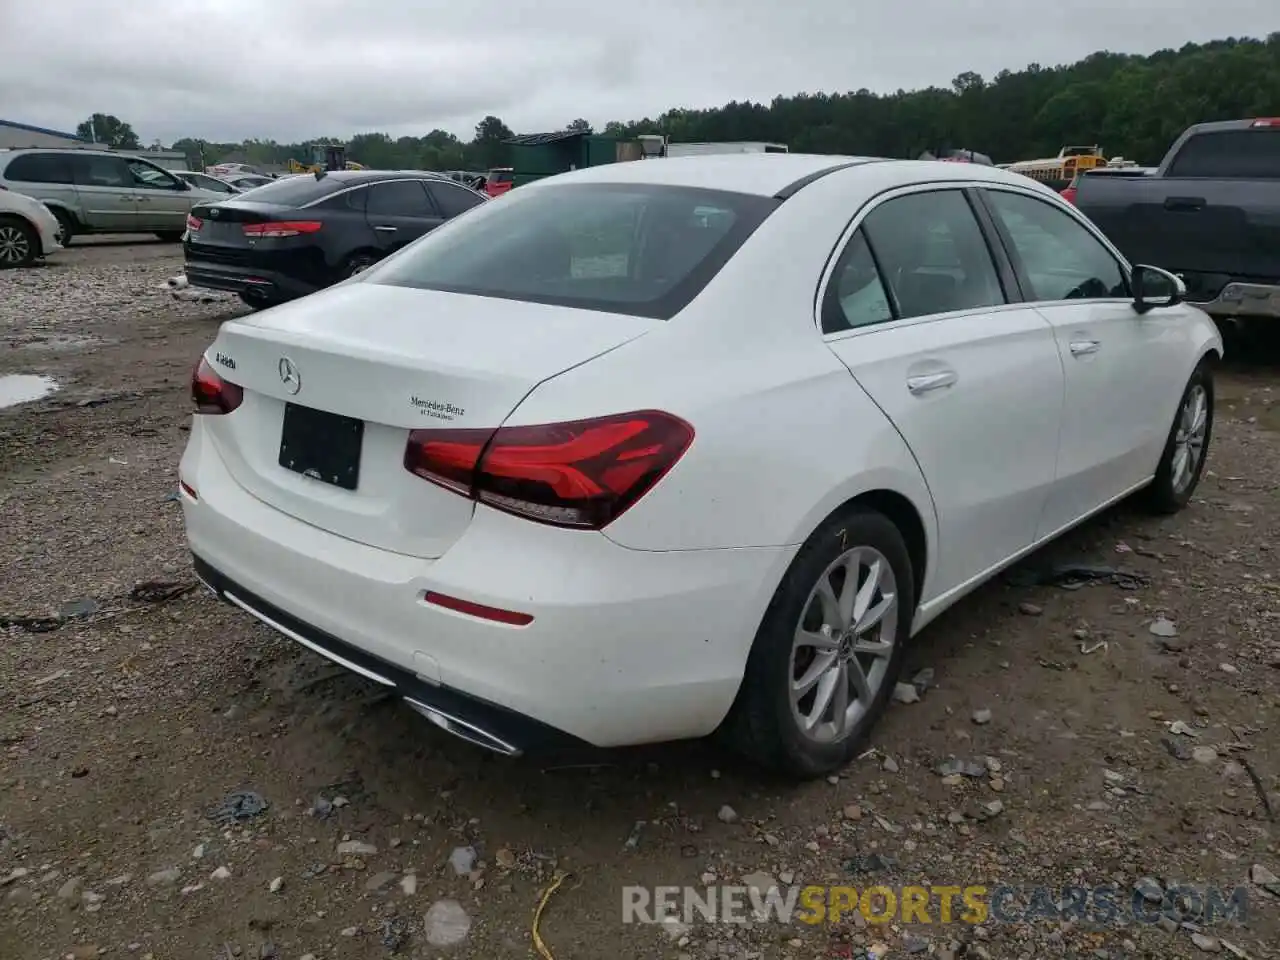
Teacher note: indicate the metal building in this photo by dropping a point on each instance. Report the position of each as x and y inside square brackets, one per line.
[13, 134]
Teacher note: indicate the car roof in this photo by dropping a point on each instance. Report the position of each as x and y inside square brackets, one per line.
[354, 177]
[774, 174]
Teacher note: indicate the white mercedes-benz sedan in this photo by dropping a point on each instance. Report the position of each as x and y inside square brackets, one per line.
[662, 448]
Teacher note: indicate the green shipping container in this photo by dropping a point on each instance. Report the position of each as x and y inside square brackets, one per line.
[538, 155]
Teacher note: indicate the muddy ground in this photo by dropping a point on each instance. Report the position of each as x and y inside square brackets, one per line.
[1117, 755]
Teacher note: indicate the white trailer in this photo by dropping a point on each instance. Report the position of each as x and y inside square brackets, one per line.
[705, 149]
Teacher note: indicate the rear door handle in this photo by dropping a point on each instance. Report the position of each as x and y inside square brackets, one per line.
[385, 229]
[1184, 203]
[924, 382]
[1081, 348]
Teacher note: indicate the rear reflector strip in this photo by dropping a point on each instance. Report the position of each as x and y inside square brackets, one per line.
[189, 490]
[510, 617]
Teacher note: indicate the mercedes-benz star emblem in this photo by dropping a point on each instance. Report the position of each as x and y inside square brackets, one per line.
[290, 376]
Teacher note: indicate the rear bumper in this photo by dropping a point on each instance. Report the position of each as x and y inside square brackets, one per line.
[626, 646]
[269, 284]
[1244, 300]
[475, 720]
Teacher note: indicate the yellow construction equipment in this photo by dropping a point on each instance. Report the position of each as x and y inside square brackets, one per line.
[325, 157]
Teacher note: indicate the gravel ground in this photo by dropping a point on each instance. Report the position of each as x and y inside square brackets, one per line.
[1121, 733]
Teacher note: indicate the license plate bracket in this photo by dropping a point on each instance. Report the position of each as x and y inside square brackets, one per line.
[321, 445]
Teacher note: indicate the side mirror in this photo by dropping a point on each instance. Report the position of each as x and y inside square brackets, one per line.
[1153, 287]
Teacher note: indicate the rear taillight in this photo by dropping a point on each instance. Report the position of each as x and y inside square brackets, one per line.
[1266, 122]
[194, 222]
[212, 394]
[582, 474]
[283, 228]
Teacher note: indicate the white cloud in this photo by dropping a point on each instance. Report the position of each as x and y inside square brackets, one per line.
[298, 69]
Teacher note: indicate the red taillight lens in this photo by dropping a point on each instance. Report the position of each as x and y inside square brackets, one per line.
[284, 228]
[194, 222]
[1266, 122]
[1069, 195]
[212, 394]
[580, 474]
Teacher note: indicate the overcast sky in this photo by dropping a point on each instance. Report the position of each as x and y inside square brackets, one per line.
[291, 70]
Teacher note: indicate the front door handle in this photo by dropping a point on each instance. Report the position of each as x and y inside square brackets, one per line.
[1082, 348]
[142, 199]
[385, 229]
[924, 382]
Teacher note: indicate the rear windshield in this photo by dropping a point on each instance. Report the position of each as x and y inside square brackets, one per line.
[500, 176]
[295, 191]
[637, 249]
[1230, 155]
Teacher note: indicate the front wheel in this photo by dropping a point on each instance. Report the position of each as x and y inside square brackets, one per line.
[829, 650]
[1187, 446]
[19, 243]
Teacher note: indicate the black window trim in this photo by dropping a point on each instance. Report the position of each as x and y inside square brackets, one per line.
[968, 189]
[1019, 268]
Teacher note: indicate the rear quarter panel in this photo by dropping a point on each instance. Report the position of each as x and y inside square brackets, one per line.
[783, 433]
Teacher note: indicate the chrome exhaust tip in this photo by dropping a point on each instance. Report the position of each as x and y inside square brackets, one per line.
[464, 730]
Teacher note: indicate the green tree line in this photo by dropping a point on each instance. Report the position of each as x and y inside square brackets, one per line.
[1131, 106]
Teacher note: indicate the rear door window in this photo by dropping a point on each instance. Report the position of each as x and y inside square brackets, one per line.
[399, 198]
[91, 171]
[39, 168]
[933, 254]
[1230, 155]
[639, 249]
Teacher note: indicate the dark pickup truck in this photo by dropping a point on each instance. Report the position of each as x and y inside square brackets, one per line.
[1209, 213]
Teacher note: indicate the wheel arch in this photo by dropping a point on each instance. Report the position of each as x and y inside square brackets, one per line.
[904, 499]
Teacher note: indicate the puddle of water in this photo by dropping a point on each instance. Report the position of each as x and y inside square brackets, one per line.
[59, 341]
[23, 388]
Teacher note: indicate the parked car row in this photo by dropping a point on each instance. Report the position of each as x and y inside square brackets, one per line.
[622, 458]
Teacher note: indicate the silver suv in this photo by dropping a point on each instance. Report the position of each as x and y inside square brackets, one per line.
[101, 191]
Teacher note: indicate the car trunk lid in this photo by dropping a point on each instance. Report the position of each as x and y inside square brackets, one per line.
[334, 383]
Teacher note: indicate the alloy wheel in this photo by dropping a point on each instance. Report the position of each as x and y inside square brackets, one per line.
[15, 248]
[843, 644]
[1188, 440]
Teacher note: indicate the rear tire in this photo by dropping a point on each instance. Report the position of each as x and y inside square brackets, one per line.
[19, 243]
[66, 226]
[257, 302]
[808, 650]
[358, 263]
[1187, 447]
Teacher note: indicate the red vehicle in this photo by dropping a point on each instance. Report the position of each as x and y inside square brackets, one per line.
[499, 181]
